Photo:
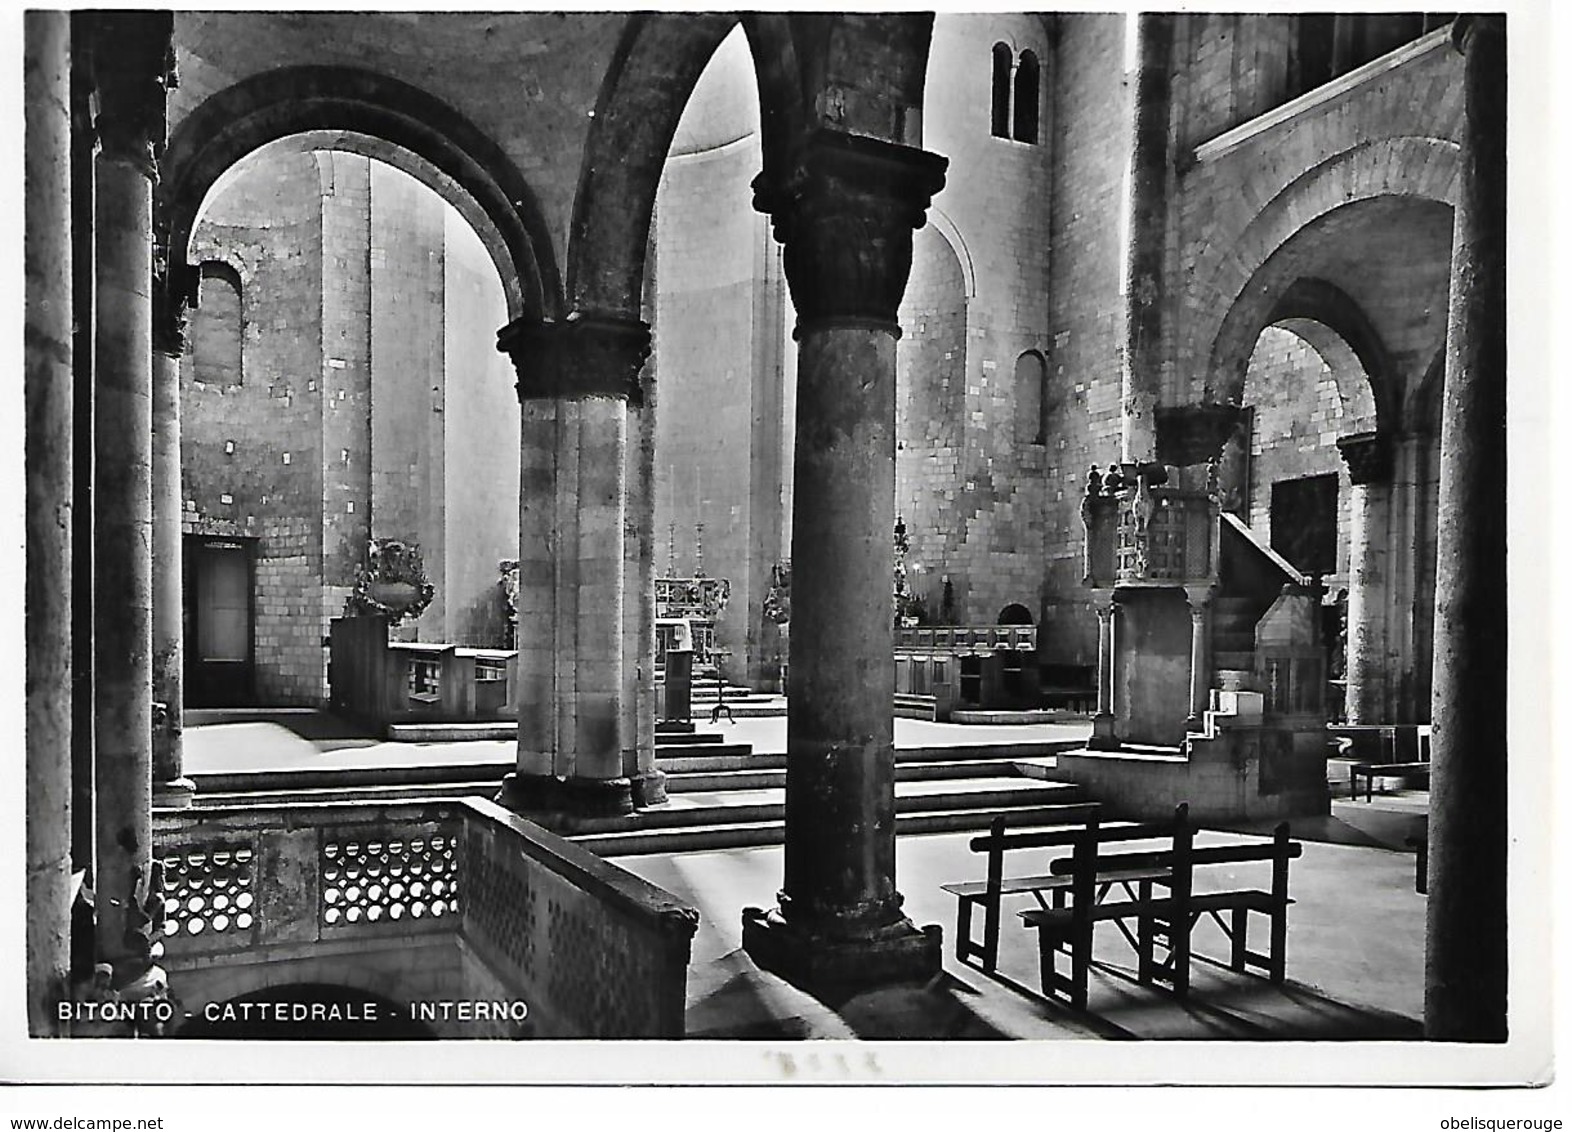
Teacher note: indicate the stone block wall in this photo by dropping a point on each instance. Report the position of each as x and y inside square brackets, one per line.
[1081, 409]
[250, 449]
[1300, 409]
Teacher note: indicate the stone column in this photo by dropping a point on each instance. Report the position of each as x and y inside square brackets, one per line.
[649, 783]
[1369, 459]
[1146, 216]
[1103, 737]
[1200, 601]
[171, 788]
[1466, 912]
[132, 59]
[47, 442]
[845, 215]
[577, 377]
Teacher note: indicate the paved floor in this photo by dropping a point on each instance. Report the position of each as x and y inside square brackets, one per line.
[1355, 956]
[302, 740]
[1355, 943]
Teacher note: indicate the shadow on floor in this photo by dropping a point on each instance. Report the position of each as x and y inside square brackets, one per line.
[322, 729]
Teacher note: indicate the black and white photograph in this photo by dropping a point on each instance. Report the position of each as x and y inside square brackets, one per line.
[573, 547]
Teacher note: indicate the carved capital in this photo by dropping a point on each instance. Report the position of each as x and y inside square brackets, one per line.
[1368, 456]
[583, 355]
[845, 213]
[1194, 434]
[174, 294]
[133, 73]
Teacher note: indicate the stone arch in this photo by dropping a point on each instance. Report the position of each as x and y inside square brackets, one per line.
[1423, 416]
[652, 75]
[375, 116]
[1421, 167]
[1310, 306]
[1015, 614]
[941, 223]
[811, 69]
[195, 987]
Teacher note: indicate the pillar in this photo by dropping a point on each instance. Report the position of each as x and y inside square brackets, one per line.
[1200, 601]
[1146, 213]
[171, 788]
[649, 783]
[48, 438]
[1366, 668]
[1103, 737]
[131, 59]
[845, 216]
[1466, 911]
[577, 377]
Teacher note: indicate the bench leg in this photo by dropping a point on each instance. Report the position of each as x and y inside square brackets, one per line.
[1278, 954]
[963, 928]
[1239, 938]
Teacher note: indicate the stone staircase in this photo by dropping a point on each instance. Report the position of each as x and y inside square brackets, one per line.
[722, 794]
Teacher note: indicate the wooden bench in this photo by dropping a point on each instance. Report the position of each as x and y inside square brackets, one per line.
[1412, 739]
[988, 893]
[1165, 907]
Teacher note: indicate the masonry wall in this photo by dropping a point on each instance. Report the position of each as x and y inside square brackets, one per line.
[719, 321]
[348, 336]
[1300, 409]
[407, 386]
[996, 215]
[1082, 405]
[345, 503]
[481, 419]
[251, 457]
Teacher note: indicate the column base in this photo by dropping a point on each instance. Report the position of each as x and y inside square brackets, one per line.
[1103, 737]
[834, 969]
[555, 801]
[649, 789]
[176, 794]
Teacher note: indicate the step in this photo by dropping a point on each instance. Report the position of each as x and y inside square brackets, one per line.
[435, 732]
[724, 807]
[218, 799]
[761, 778]
[337, 778]
[686, 738]
[696, 839]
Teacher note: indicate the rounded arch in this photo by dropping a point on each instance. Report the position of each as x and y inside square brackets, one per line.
[657, 64]
[376, 116]
[940, 222]
[1329, 320]
[1417, 167]
[1015, 614]
[1003, 56]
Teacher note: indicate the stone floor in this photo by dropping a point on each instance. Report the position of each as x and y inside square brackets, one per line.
[1355, 956]
[1355, 944]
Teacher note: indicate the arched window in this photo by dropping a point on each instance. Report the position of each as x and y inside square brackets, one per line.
[216, 329]
[1031, 375]
[1026, 98]
[1001, 90]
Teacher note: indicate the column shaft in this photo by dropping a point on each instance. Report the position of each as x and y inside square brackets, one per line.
[840, 774]
[170, 786]
[48, 440]
[1200, 671]
[1146, 204]
[123, 504]
[1367, 663]
[1103, 736]
[1466, 925]
[638, 678]
[597, 579]
[537, 595]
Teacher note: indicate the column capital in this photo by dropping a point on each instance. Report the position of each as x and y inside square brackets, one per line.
[133, 72]
[1467, 30]
[583, 355]
[1194, 434]
[1368, 456]
[845, 210]
[174, 294]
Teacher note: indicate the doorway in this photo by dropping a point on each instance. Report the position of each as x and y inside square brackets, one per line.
[219, 631]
